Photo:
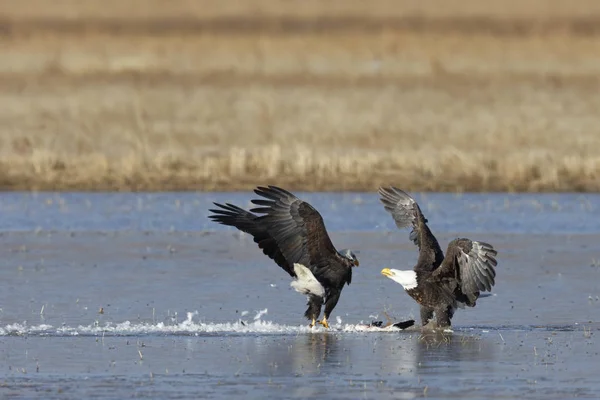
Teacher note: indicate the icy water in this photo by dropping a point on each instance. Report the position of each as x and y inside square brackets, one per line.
[140, 295]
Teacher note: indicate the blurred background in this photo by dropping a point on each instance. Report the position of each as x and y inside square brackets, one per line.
[442, 95]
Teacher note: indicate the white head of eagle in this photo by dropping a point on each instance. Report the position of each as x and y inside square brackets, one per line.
[408, 279]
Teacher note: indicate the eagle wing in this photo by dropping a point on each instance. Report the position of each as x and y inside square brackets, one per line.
[296, 227]
[287, 229]
[407, 213]
[472, 264]
[245, 221]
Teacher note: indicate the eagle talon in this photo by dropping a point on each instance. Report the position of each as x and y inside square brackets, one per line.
[312, 324]
[324, 323]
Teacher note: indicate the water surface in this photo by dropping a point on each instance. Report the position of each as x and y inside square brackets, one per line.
[140, 295]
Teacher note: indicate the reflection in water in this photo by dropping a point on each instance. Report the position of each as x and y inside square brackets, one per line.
[401, 354]
[391, 353]
[297, 355]
[443, 349]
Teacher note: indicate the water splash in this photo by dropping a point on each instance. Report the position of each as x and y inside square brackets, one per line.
[242, 327]
[188, 327]
[259, 315]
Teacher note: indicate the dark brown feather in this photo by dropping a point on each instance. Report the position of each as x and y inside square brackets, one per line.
[245, 221]
[472, 263]
[406, 212]
[289, 231]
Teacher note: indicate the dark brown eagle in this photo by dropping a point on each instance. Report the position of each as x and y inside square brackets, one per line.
[439, 283]
[292, 233]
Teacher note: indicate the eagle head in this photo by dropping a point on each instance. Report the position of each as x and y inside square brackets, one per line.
[408, 279]
[349, 254]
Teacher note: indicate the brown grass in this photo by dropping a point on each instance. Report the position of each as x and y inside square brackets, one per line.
[105, 98]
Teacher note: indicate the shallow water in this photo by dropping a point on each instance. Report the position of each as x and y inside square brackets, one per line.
[140, 295]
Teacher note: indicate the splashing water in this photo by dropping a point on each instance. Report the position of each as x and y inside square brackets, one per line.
[186, 327]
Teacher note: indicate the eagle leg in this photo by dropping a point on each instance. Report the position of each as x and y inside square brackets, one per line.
[443, 316]
[426, 315]
[314, 308]
[330, 304]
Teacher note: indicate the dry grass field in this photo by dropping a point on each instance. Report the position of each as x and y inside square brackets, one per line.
[340, 95]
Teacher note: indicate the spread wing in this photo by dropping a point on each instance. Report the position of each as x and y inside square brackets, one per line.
[287, 229]
[245, 221]
[472, 264]
[407, 213]
[296, 227]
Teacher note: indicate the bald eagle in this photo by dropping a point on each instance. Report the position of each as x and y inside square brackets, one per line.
[292, 233]
[439, 283]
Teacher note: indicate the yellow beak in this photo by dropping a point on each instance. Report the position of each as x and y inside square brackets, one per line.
[387, 272]
[356, 263]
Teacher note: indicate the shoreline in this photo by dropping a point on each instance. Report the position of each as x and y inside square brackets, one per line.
[166, 183]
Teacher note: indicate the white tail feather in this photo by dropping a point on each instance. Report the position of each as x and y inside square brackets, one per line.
[305, 282]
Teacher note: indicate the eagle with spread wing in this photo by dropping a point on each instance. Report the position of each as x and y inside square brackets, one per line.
[440, 284]
[292, 233]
